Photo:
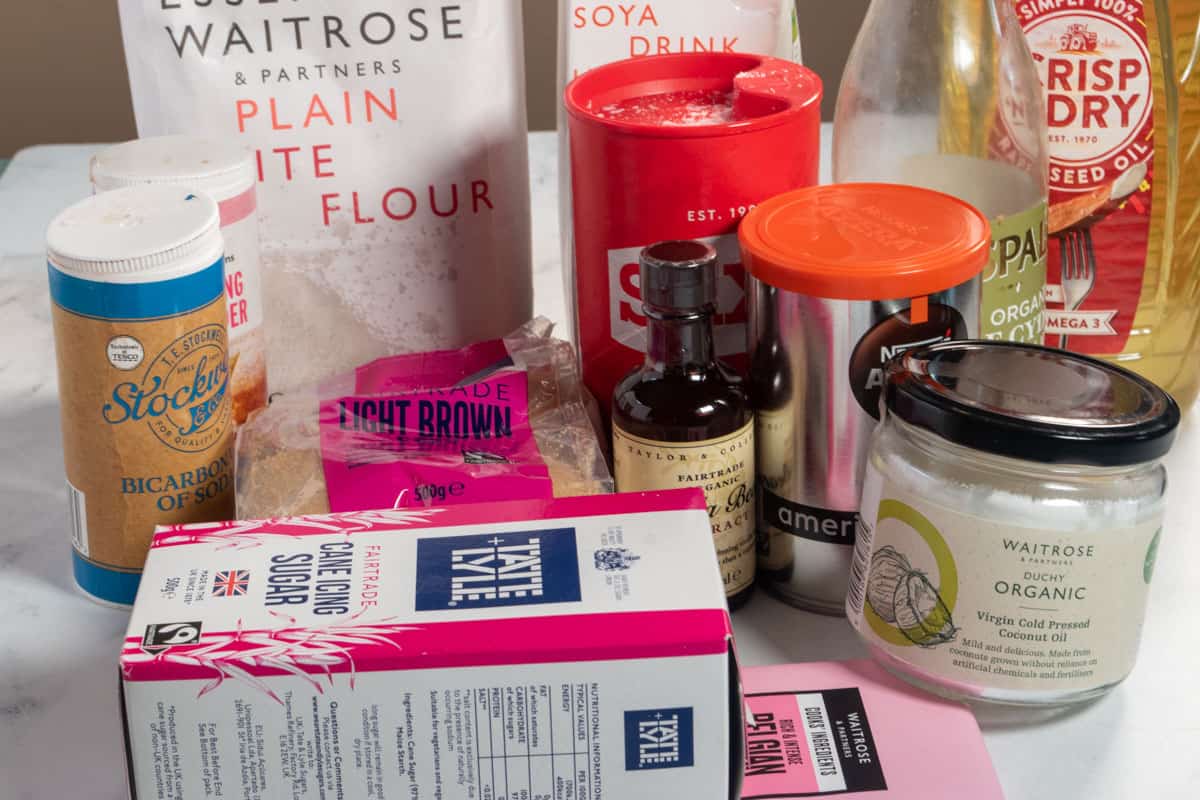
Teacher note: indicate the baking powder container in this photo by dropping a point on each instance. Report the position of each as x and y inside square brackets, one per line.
[226, 173]
[136, 284]
[843, 278]
[676, 147]
[1011, 515]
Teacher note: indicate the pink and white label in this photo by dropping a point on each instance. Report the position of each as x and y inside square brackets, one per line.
[809, 744]
[465, 444]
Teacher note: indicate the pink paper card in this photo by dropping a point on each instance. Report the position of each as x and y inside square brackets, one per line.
[851, 730]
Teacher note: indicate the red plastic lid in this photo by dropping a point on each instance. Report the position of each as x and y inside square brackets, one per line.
[693, 94]
[865, 241]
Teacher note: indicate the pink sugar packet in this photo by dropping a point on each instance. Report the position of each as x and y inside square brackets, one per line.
[851, 730]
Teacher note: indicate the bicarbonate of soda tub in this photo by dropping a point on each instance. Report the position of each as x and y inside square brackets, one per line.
[138, 302]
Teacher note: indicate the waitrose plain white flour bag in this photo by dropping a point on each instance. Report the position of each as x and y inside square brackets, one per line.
[390, 143]
[592, 33]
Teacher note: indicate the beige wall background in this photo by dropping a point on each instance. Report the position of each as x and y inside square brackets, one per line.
[62, 66]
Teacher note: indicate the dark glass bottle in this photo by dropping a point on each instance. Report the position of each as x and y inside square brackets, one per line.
[683, 418]
[775, 414]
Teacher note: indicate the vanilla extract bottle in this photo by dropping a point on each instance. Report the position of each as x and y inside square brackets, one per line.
[683, 419]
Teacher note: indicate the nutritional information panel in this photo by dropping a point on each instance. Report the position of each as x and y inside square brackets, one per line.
[537, 742]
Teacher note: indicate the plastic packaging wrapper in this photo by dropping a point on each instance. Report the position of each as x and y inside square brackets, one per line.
[499, 420]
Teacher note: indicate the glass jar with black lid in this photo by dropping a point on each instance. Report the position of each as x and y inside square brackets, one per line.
[1011, 514]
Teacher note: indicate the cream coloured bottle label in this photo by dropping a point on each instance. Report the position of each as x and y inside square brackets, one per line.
[723, 468]
[984, 603]
[774, 443]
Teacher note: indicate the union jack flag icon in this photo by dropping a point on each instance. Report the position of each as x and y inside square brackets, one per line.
[232, 583]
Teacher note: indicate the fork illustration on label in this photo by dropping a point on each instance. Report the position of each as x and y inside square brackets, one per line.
[1078, 269]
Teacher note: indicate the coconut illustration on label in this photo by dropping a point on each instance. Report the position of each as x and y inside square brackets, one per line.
[902, 598]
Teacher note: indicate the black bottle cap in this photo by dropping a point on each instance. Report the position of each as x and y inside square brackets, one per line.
[679, 277]
[1032, 403]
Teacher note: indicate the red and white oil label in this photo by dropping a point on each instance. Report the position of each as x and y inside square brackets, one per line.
[628, 323]
[1094, 61]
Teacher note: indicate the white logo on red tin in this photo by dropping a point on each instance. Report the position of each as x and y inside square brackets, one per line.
[1096, 70]
[628, 324]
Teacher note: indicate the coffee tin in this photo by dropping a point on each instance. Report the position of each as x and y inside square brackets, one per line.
[842, 278]
[138, 304]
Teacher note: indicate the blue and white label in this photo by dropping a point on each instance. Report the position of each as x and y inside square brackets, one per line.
[499, 569]
[658, 738]
[146, 301]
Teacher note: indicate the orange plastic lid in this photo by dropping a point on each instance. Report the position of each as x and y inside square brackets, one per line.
[865, 241]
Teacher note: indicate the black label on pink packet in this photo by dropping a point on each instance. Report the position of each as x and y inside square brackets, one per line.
[809, 744]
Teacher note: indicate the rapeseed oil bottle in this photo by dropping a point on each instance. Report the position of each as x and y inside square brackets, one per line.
[1123, 105]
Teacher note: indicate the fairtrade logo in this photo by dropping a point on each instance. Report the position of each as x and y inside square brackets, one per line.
[182, 395]
[157, 638]
[903, 606]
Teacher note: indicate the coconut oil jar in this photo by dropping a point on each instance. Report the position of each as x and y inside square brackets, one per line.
[1011, 512]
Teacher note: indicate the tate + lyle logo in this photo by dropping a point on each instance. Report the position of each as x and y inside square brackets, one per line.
[658, 738]
[500, 571]
[489, 570]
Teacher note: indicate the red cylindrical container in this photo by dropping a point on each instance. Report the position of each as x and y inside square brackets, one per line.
[676, 147]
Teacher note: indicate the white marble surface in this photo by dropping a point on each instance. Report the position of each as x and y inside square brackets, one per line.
[59, 729]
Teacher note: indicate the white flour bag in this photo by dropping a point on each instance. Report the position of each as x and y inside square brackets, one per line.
[592, 33]
[390, 142]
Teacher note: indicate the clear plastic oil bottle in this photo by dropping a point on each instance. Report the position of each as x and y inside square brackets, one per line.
[1123, 104]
